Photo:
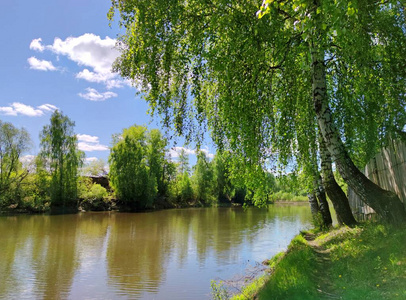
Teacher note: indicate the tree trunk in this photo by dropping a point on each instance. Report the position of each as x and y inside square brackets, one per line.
[314, 205]
[386, 204]
[317, 190]
[334, 191]
[321, 196]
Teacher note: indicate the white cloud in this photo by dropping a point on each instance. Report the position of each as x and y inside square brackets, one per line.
[118, 83]
[47, 107]
[109, 79]
[27, 110]
[17, 108]
[36, 45]
[90, 159]
[91, 51]
[8, 111]
[92, 147]
[174, 152]
[95, 77]
[88, 50]
[93, 95]
[208, 154]
[42, 65]
[87, 138]
[96, 54]
[90, 143]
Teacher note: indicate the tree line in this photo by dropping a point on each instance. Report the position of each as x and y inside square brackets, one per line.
[50, 177]
[142, 174]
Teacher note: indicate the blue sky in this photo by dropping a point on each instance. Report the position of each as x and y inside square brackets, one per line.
[57, 55]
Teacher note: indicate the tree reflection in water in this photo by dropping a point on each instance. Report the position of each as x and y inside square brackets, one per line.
[164, 254]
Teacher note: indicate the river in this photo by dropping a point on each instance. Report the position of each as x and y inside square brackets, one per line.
[168, 254]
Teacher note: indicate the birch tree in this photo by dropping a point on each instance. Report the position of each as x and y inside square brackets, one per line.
[260, 83]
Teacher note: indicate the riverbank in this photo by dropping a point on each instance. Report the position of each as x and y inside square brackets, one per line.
[366, 262]
[287, 197]
[112, 204]
[82, 205]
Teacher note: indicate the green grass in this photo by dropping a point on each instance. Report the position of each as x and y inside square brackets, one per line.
[291, 278]
[369, 263]
[284, 196]
[366, 262]
[249, 291]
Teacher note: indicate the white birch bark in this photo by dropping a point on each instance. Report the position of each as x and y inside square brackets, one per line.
[385, 203]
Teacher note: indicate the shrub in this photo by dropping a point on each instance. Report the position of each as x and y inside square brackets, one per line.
[96, 192]
[93, 195]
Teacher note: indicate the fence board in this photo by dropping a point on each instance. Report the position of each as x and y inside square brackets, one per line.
[388, 170]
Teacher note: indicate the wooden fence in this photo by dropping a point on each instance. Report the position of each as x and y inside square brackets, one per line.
[388, 170]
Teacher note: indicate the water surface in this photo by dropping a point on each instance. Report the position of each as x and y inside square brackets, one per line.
[169, 254]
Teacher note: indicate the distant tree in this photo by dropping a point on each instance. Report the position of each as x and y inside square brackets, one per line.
[13, 143]
[203, 180]
[183, 162]
[224, 187]
[61, 158]
[184, 188]
[155, 155]
[41, 181]
[251, 184]
[130, 175]
[169, 176]
[95, 168]
[181, 190]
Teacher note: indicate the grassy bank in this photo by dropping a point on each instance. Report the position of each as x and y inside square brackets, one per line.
[287, 197]
[366, 262]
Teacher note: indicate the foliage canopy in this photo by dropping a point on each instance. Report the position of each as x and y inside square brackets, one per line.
[250, 78]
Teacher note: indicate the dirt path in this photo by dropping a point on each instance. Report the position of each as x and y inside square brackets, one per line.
[321, 272]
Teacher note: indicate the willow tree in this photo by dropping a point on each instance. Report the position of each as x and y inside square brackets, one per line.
[134, 183]
[61, 158]
[260, 84]
[13, 143]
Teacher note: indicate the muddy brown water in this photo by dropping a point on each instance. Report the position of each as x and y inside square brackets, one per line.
[169, 254]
